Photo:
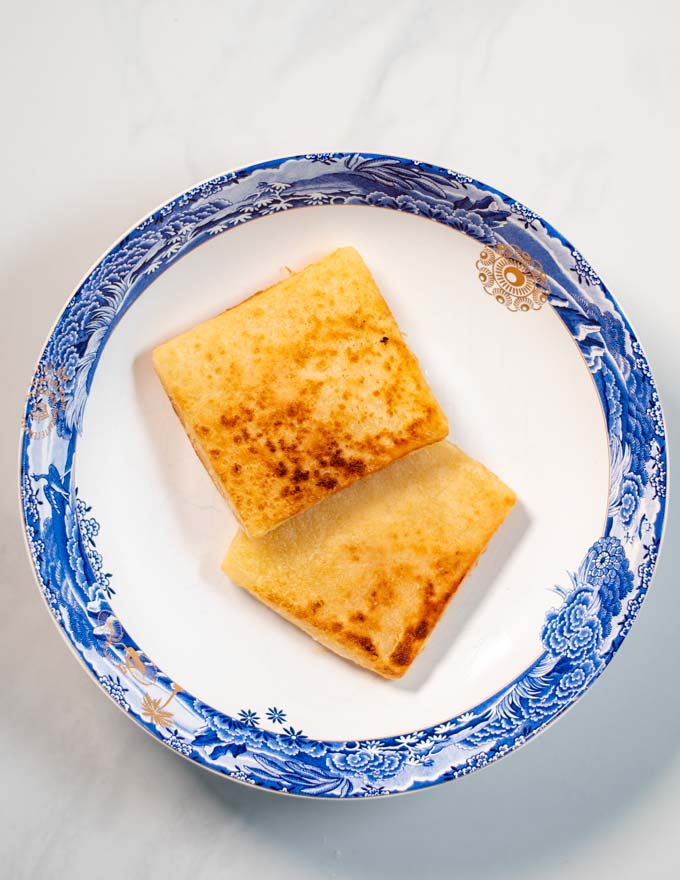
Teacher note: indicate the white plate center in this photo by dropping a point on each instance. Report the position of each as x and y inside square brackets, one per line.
[518, 397]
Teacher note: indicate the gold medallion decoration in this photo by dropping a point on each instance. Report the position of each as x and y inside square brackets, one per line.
[513, 278]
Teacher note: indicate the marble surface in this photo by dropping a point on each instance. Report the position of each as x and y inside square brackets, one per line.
[108, 109]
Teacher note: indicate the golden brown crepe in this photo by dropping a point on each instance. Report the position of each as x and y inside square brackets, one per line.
[369, 572]
[299, 391]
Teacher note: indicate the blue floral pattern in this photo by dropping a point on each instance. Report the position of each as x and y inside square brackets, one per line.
[579, 636]
[276, 716]
[250, 718]
[115, 689]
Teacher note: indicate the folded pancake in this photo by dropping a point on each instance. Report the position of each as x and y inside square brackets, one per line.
[299, 391]
[369, 572]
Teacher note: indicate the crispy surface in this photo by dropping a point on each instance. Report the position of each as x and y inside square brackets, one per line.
[299, 391]
[369, 572]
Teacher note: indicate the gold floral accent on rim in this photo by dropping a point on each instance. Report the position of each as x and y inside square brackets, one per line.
[513, 277]
[134, 662]
[45, 397]
[141, 669]
[154, 710]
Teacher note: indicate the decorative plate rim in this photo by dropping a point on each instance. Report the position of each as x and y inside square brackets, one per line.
[579, 638]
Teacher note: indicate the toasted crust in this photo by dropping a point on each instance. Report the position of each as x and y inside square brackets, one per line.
[369, 572]
[299, 391]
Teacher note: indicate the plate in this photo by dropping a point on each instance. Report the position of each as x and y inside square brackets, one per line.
[542, 378]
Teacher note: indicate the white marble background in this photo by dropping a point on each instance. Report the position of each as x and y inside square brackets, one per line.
[110, 107]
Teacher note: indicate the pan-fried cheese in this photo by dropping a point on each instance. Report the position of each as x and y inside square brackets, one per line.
[369, 572]
[299, 391]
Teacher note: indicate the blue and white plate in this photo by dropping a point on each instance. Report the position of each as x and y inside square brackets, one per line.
[542, 378]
